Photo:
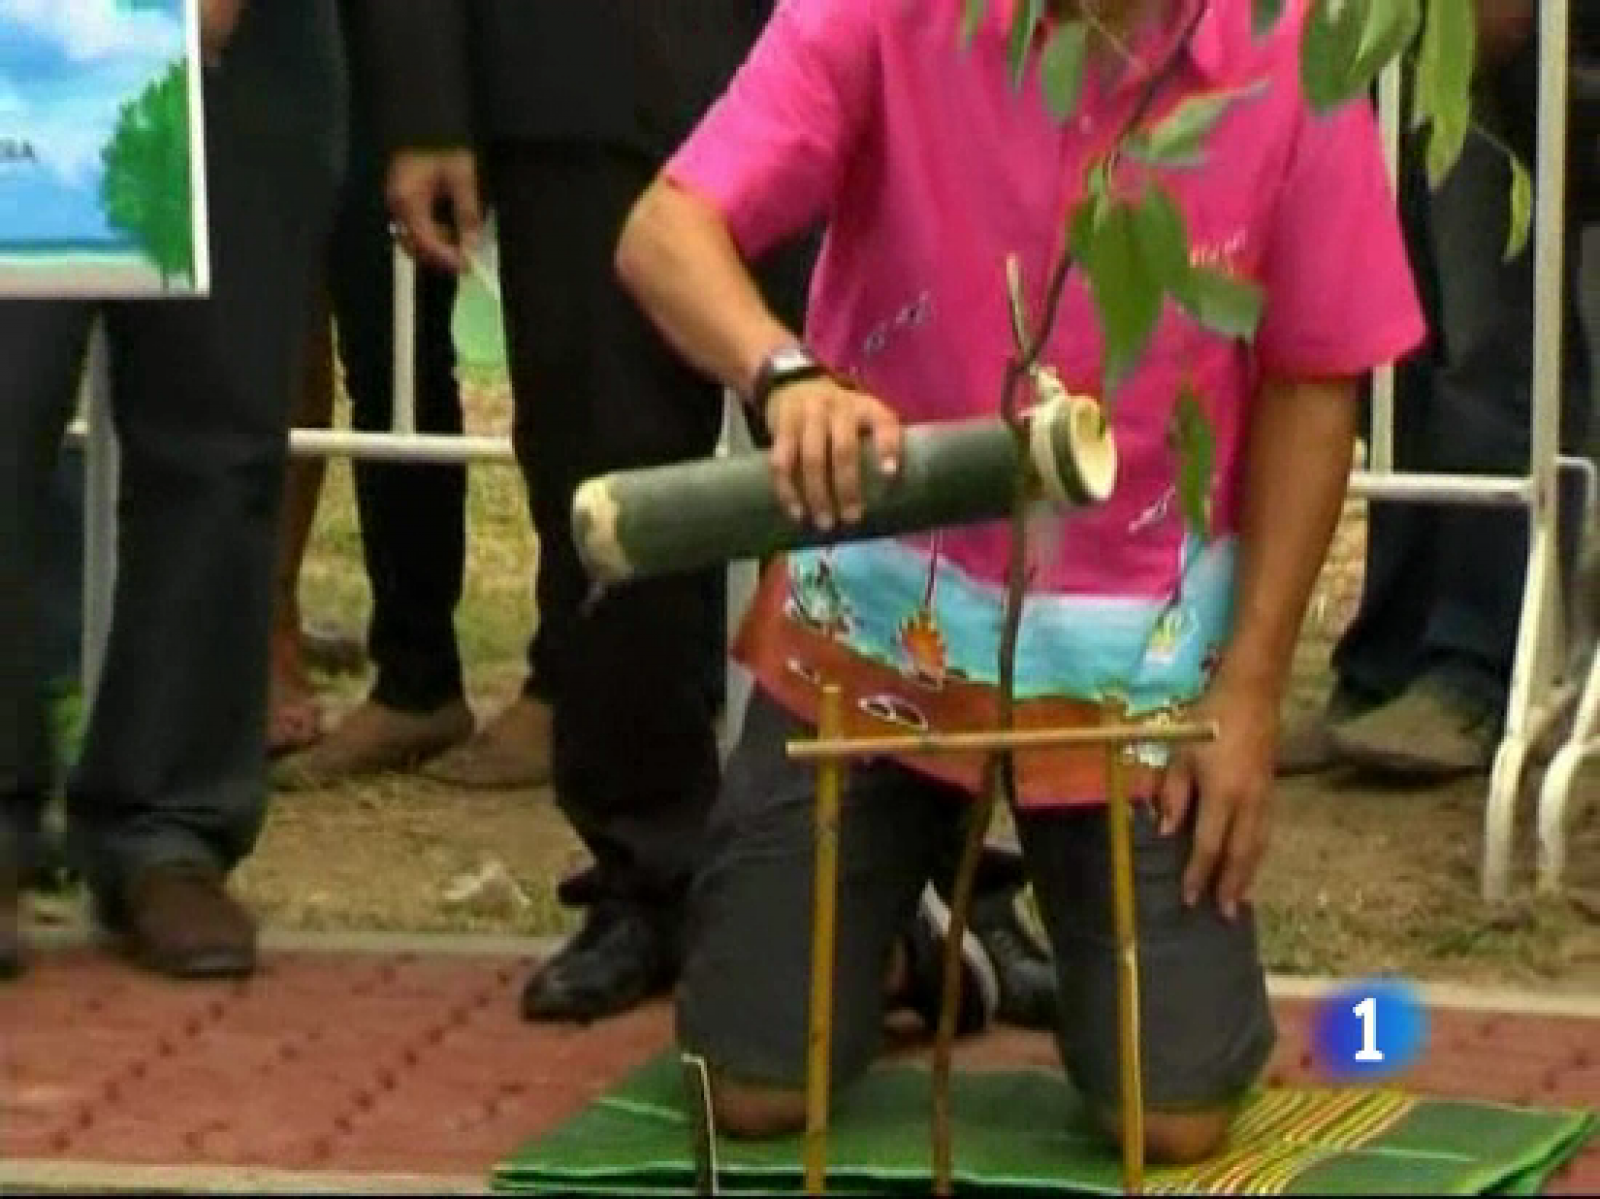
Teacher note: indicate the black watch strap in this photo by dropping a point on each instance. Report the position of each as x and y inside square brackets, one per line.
[789, 364]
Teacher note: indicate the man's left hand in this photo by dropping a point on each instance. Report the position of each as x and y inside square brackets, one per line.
[1231, 779]
[218, 20]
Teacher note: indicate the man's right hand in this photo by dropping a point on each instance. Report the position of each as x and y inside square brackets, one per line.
[433, 197]
[817, 429]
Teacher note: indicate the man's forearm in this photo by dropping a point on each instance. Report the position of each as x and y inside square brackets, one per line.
[1296, 471]
[679, 261]
[421, 68]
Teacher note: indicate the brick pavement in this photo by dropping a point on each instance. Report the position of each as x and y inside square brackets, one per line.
[391, 1071]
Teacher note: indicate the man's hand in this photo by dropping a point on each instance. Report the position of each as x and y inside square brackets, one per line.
[218, 20]
[433, 197]
[1231, 778]
[1503, 27]
[817, 429]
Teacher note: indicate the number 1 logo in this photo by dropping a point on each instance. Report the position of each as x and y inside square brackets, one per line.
[1367, 1012]
[1369, 1030]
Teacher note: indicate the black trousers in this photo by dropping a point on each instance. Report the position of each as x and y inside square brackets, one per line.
[413, 516]
[1443, 587]
[174, 764]
[629, 679]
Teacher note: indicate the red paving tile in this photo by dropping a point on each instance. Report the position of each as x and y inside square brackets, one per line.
[419, 1065]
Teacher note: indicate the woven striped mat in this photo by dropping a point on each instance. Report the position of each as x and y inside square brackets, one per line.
[1025, 1133]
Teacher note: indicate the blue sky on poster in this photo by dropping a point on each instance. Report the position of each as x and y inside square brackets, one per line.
[66, 68]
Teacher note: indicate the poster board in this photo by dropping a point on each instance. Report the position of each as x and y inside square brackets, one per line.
[102, 149]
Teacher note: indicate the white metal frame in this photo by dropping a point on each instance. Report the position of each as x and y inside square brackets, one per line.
[1541, 690]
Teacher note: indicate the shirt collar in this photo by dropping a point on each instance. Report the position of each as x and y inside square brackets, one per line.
[1211, 51]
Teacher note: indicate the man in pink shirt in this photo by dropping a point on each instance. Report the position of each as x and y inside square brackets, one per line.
[931, 170]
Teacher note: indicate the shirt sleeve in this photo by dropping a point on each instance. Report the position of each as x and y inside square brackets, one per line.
[771, 151]
[1340, 296]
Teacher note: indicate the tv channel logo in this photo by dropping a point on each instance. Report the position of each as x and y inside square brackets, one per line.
[1369, 1030]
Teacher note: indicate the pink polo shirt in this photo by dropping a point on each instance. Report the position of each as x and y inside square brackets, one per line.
[930, 170]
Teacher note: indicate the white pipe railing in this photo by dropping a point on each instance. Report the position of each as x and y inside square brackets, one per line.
[1540, 692]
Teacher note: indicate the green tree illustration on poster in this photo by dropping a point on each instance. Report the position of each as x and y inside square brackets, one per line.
[146, 186]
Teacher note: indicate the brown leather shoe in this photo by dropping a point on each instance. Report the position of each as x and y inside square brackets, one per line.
[510, 752]
[10, 923]
[179, 920]
[373, 739]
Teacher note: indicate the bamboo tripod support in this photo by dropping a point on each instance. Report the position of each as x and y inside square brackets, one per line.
[832, 751]
[824, 914]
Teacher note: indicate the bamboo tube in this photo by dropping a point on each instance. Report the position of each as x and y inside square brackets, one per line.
[999, 741]
[689, 515]
[1120, 813]
[824, 913]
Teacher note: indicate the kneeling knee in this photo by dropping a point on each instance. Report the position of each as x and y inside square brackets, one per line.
[1179, 1138]
[752, 1112]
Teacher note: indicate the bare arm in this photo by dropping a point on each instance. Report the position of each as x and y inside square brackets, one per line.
[1297, 463]
[678, 259]
[1297, 467]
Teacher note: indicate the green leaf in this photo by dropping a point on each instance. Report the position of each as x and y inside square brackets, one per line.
[1164, 241]
[1264, 15]
[971, 17]
[1177, 138]
[1443, 96]
[1083, 222]
[1062, 68]
[1328, 47]
[1024, 23]
[1521, 209]
[1347, 43]
[1193, 443]
[1389, 27]
[1222, 303]
[1127, 294]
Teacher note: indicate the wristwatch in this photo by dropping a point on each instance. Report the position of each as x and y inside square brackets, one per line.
[785, 365]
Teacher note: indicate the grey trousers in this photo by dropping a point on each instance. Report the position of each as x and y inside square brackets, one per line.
[1443, 589]
[174, 765]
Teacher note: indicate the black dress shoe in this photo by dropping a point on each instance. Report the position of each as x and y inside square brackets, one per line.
[621, 958]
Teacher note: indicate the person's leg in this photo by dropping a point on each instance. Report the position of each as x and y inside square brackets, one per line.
[1480, 424]
[743, 1001]
[413, 516]
[293, 717]
[598, 390]
[169, 793]
[43, 345]
[1206, 1025]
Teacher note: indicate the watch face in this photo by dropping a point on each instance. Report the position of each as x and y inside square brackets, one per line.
[791, 359]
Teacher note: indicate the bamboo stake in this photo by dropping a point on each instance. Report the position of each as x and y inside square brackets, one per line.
[824, 914]
[1120, 813]
[1000, 741]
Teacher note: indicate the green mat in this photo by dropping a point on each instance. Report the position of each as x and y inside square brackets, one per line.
[1022, 1133]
